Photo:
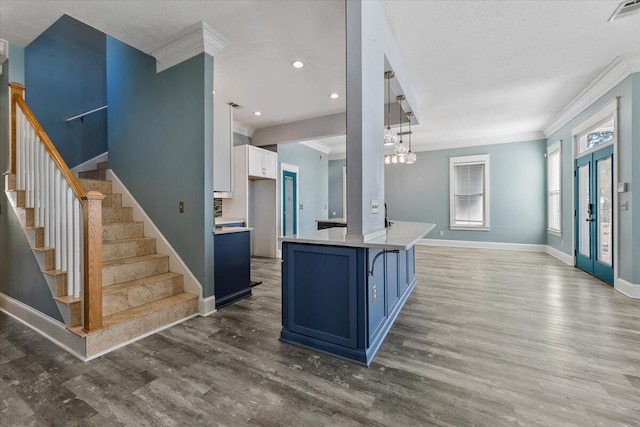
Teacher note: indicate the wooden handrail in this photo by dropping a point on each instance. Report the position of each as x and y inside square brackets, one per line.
[17, 100]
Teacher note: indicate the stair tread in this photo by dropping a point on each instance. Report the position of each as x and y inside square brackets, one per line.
[118, 287]
[92, 179]
[54, 272]
[132, 260]
[125, 222]
[43, 249]
[67, 299]
[126, 240]
[138, 312]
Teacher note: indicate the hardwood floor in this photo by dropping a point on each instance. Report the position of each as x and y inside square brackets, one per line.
[487, 338]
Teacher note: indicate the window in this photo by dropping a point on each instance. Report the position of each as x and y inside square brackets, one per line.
[469, 192]
[553, 187]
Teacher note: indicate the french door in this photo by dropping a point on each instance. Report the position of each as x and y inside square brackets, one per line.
[289, 203]
[594, 213]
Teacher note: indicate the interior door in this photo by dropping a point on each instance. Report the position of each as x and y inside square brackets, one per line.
[289, 203]
[594, 213]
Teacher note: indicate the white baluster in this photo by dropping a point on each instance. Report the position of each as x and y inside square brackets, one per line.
[62, 205]
[19, 184]
[68, 206]
[36, 183]
[78, 247]
[27, 168]
[56, 215]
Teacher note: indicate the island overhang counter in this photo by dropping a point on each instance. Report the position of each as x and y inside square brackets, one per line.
[341, 295]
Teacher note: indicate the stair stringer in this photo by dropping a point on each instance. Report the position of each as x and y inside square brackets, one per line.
[192, 285]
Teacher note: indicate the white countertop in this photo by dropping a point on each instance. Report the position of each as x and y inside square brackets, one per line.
[402, 235]
[223, 220]
[227, 230]
[333, 220]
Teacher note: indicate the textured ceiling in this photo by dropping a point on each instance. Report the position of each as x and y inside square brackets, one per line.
[481, 69]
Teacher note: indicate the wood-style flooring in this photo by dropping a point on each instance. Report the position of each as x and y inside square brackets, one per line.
[487, 338]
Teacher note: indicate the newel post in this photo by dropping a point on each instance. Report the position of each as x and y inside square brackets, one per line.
[92, 292]
[17, 90]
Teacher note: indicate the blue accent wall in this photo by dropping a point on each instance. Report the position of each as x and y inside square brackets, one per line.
[628, 252]
[161, 147]
[65, 75]
[313, 182]
[20, 276]
[420, 192]
[335, 188]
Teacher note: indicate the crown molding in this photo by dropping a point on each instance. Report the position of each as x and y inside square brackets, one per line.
[618, 70]
[193, 40]
[474, 142]
[317, 145]
[242, 130]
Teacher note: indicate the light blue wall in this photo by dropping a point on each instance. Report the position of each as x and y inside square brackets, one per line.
[161, 146]
[20, 275]
[420, 192]
[66, 75]
[627, 250]
[335, 188]
[313, 182]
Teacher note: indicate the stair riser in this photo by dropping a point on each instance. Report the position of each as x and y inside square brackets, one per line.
[112, 201]
[25, 216]
[122, 231]
[97, 174]
[46, 259]
[128, 249]
[35, 236]
[70, 313]
[113, 303]
[102, 165]
[123, 273]
[10, 182]
[103, 340]
[103, 187]
[57, 284]
[110, 215]
[16, 198]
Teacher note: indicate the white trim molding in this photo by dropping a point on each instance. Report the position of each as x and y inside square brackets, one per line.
[317, 145]
[207, 306]
[193, 40]
[618, 70]
[176, 264]
[49, 328]
[483, 245]
[564, 257]
[91, 164]
[242, 129]
[632, 290]
[477, 142]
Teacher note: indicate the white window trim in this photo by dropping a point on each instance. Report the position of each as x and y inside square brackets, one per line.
[556, 146]
[462, 160]
[606, 113]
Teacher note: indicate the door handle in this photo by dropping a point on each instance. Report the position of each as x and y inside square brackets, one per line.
[590, 219]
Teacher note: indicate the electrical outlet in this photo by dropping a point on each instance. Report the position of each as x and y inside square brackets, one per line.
[301, 206]
[375, 206]
[181, 207]
[374, 292]
[442, 232]
[333, 213]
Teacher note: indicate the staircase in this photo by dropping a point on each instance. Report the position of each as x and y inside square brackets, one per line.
[139, 292]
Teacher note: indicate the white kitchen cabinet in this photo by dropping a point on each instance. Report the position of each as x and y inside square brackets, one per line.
[262, 163]
[222, 146]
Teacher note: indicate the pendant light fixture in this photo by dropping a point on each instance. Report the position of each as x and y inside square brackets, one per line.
[390, 137]
[401, 148]
[410, 157]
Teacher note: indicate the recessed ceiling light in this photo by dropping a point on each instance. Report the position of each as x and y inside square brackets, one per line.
[297, 64]
[257, 113]
[334, 96]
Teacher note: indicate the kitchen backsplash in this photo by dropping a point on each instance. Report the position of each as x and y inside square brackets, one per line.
[217, 208]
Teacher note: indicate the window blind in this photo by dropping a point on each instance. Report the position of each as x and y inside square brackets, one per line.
[553, 202]
[469, 194]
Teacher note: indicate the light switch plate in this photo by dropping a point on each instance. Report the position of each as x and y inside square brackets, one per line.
[624, 206]
[375, 206]
[622, 187]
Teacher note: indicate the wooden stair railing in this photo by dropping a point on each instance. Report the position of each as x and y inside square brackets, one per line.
[71, 217]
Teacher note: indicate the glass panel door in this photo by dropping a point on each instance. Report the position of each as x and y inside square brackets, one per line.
[289, 204]
[594, 213]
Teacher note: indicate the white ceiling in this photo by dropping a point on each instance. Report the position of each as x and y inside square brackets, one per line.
[481, 69]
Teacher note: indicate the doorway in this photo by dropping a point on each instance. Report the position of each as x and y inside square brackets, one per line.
[289, 202]
[594, 213]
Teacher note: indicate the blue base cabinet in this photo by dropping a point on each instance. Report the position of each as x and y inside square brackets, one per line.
[331, 303]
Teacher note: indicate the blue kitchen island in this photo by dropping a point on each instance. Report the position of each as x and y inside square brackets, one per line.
[341, 296]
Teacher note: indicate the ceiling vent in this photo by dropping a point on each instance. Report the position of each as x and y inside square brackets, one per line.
[626, 8]
[233, 105]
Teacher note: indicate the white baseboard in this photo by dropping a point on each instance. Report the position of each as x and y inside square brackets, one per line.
[49, 328]
[207, 306]
[632, 290]
[176, 264]
[91, 164]
[566, 258]
[138, 338]
[484, 245]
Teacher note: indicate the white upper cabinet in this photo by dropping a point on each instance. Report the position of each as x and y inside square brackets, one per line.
[222, 146]
[262, 163]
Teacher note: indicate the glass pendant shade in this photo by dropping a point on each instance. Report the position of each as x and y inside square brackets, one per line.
[401, 148]
[402, 159]
[390, 137]
[394, 159]
[387, 159]
[410, 157]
